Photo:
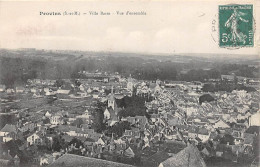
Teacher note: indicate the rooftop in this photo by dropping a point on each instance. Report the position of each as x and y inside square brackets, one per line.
[190, 156]
[71, 160]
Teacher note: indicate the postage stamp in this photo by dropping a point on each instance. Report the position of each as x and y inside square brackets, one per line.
[236, 27]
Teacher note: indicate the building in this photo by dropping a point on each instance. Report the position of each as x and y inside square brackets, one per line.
[46, 159]
[254, 120]
[190, 156]
[2, 88]
[7, 160]
[34, 139]
[56, 120]
[106, 114]
[228, 77]
[19, 89]
[130, 84]
[9, 90]
[28, 126]
[8, 132]
[63, 91]
[71, 160]
[111, 101]
[220, 124]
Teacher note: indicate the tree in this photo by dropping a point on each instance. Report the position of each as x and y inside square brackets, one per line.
[227, 139]
[59, 83]
[205, 97]
[119, 128]
[56, 144]
[132, 106]
[77, 142]
[256, 145]
[78, 122]
[208, 88]
[77, 83]
[98, 123]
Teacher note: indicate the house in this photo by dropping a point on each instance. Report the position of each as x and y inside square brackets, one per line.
[34, 90]
[138, 121]
[56, 120]
[2, 88]
[82, 88]
[106, 114]
[8, 132]
[48, 115]
[154, 117]
[63, 91]
[100, 142]
[28, 126]
[89, 90]
[19, 89]
[157, 89]
[87, 118]
[46, 159]
[49, 92]
[49, 139]
[220, 124]
[238, 140]
[225, 151]
[219, 150]
[171, 134]
[129, 153]
[95, 95]
[206, 152]
[203, 134]
[193, 132]
[134, 132]
[9, 90]
[254, 120]
[34, 139]
[250, 134]
[228, 77]
[7, 160]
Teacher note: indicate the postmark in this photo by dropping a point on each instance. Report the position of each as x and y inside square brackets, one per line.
[236, 27]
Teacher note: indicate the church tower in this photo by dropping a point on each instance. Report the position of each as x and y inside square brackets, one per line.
[130, 83]
[111, 99]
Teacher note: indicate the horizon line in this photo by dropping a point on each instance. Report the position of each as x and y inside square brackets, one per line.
[147, 53]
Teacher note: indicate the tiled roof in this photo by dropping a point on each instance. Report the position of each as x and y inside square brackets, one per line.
[159, 157]
[190, 156]
[253, 129]
[9, 128]
[71, 160]
[203, 131]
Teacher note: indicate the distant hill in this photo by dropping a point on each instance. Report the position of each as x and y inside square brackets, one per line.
[17, 66]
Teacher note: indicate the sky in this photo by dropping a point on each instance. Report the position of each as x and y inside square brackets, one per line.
[168, 27]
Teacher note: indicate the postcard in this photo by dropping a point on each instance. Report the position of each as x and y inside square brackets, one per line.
[150, 83]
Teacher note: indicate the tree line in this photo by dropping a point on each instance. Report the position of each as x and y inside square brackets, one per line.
[17, 70]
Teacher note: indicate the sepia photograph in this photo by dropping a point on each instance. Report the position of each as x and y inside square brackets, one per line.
[151, 83]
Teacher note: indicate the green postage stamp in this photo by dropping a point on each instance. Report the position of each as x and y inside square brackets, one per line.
[236, 27]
